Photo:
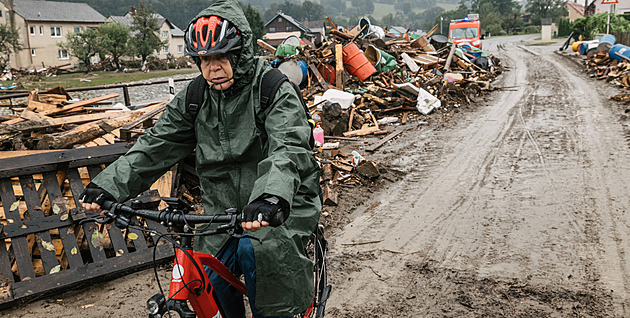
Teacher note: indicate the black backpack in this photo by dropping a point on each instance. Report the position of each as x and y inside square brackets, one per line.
[270, 83]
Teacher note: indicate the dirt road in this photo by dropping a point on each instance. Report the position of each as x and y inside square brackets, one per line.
[518, 211]
[517, 207]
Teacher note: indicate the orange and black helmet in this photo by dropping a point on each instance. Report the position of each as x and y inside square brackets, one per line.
[212, 35]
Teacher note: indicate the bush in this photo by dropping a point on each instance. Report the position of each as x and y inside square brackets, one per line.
[154, 63]
[530, 29]
[495, 29]
[564, 27]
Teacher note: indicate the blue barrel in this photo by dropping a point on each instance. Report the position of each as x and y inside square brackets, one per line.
[619, 49]
[606, 42]
[585, 46]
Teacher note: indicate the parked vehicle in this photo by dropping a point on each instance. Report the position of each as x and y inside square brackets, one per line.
[467, 29]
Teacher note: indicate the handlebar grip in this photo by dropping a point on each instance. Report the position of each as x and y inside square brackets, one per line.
[171, 217]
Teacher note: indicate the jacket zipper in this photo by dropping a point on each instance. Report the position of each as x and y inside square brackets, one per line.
[225, 131]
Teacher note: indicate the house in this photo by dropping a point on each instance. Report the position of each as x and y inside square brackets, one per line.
[43, 24]
[596, 6]
[575, 10]
[282, 26]
[168, 32]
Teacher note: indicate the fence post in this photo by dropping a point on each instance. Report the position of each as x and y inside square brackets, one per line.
[126, 95]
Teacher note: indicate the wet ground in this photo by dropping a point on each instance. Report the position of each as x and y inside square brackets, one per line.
[514, 207]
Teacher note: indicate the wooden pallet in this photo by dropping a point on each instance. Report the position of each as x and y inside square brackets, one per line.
[43, 247]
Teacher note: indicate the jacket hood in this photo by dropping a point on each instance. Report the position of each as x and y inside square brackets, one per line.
[232, 11]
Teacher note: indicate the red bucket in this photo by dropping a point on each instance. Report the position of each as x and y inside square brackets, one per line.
[356, 63]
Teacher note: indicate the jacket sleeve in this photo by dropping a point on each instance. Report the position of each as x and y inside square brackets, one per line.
[162, 146]
[289, 156]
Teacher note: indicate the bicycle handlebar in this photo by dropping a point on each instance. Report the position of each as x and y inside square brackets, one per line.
[171, 217]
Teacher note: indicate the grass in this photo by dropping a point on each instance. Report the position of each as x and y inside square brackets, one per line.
[97, 78]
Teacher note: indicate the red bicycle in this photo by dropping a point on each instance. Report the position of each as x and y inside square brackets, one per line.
[190, 283]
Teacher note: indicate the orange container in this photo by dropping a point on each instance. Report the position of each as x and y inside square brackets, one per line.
[356, 63]
[327, 72]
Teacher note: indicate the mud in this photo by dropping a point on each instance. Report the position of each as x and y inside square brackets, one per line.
[516, 206]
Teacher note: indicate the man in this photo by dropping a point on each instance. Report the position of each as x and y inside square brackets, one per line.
[254, 160]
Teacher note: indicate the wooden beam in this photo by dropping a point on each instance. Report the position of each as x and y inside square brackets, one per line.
[339, 66]
[81, 103]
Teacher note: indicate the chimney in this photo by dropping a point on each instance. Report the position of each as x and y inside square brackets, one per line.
[306, 22]
[133, 10]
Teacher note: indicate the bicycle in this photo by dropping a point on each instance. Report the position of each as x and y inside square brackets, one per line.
[189, 282]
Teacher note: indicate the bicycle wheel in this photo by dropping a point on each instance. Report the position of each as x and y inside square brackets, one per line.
[316, 251]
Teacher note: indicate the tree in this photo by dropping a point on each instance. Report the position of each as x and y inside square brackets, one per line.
[114, 40]
[9, 43]
[539, 9]
[333, 7]
[363, 7]
[313, 11]
[145, 30]
[255, 23]
[82, 45]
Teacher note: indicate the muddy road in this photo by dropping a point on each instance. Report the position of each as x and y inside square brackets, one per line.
[520, 210]
[515, 207]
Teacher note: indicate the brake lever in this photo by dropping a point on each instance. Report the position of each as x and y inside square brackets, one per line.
[105, 218]
[249, 236]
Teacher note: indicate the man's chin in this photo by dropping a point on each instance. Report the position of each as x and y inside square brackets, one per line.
[223, 85]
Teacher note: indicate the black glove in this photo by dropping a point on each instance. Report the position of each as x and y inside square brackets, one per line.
[95, 194]
[271, 209]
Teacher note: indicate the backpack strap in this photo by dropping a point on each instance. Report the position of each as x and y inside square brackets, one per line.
[195, 95]
[271, 81]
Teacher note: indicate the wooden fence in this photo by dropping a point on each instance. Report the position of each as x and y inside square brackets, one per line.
[622, 37]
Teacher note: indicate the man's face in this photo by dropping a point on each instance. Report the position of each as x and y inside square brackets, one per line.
[217, 70]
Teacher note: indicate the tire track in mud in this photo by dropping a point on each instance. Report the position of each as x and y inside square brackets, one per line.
[506, 201]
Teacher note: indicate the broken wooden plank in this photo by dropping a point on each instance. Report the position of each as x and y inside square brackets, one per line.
[339, 66]
[82, 103]
[330, 196]
[319, 77]
[384, 140]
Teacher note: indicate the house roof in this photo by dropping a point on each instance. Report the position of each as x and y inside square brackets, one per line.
[56, 11]
[291, 20]
[128, 20]
[579, 8]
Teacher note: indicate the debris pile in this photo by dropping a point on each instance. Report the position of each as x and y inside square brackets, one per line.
[52, 120]
[373, 77]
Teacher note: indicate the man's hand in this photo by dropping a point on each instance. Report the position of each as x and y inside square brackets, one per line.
[264, 212]
[92, 198]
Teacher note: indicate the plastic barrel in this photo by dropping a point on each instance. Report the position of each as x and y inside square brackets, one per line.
[584, 46]
[296, 71]
[619, 49]
[576, 45]
[327, 72]
[438, 41]
[356, 63]
[606, 42]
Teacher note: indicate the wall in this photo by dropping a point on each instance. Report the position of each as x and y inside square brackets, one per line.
[281, 24]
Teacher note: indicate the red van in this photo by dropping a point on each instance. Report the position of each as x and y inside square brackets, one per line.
[465, 30]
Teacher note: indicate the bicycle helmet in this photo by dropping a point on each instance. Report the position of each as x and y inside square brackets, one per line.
[212, 35]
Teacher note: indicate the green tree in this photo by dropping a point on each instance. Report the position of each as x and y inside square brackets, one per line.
[145, 28]
[9, 43]
[333, 8]
[539, 9]
[82, 45]
[114, 40]
[313, 11]
[255, 23]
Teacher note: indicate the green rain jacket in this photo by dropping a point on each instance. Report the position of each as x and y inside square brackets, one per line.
[241, 154]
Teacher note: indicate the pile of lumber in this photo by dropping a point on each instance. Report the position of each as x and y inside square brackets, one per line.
[52, 120]
[602, 67]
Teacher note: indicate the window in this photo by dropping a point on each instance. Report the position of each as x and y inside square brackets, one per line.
[77, 29]
[289, 28]
[180, 49]
[41, 30]
[55, 32]
[32, 52]
[272, 30]
[63, 54]
[165, 34]
[165, 50]
[31, 29]
[0, 13]
[280, 19]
